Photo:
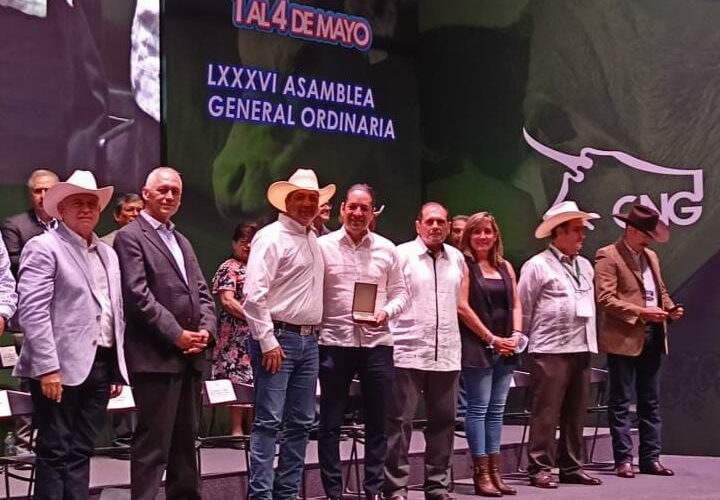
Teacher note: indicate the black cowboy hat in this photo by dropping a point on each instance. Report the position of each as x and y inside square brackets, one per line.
[647, 220]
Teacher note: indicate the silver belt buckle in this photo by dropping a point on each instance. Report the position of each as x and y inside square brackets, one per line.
[306, 330]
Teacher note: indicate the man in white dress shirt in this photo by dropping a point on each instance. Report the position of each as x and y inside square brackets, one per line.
[283, 307]
[427, 355]
[353, 254]
[558, 304]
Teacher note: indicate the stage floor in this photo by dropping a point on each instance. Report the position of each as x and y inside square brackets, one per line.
[224, 475]
[696, 478]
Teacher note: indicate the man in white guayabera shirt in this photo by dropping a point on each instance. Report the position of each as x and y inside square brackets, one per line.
[357, 259]
[283, 307]
[427, 355]
[558, 304]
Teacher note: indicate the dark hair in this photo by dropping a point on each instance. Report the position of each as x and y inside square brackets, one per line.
[495, 256]
[245, 230]
[122, 199]
[564, 225]
[432, 204]
[364, 188]
[459, 217]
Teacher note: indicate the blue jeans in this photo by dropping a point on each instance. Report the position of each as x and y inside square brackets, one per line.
[283, 401]
[639, 376]
[487, 390]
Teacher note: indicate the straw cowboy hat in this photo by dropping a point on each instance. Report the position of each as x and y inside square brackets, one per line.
[557, 214]
[303, 178]
[80, 182]
[647, 220]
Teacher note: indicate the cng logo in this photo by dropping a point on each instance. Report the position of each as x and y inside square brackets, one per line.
[682, 208]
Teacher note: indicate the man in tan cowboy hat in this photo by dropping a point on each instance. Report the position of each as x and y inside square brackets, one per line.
[635, 307]
[558, 303]
[71, 312]
[283, 307]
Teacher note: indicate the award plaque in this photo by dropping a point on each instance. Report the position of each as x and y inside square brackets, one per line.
[363, 307]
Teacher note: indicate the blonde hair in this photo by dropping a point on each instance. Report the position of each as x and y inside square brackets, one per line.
[495, 255]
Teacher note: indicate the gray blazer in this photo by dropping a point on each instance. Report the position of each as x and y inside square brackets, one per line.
[58, 309]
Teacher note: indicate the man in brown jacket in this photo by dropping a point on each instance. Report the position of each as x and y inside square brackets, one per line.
[635, 307]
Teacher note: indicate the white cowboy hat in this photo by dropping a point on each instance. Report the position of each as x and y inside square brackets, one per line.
[80, 182]
[303, 178]
[557, 214]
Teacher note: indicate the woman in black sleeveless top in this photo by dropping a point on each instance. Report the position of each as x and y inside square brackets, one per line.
[491, 325]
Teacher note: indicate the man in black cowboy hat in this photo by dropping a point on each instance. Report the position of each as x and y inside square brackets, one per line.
[635, 307]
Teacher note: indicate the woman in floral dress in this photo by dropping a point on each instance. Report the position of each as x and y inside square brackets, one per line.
[230, 359]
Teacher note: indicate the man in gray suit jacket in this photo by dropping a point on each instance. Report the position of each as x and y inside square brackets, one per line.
[18, 229]
[70, 307]
[170, 317]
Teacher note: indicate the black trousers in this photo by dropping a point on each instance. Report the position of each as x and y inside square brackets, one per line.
[164, 438]
[338, 366]
[560, 386]
[66, 432]
[439, 393]
[636, 375]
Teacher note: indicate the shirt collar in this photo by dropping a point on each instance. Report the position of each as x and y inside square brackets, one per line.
[561, 256]
[422, 248]
[79, 241]
[632, 252]
[156, 224]
[367, 239]
[47, 226]
[292, 225]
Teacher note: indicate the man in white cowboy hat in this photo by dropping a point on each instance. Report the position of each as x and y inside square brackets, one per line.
[558, 303]
[283, 307]
[170, 320]
[635, 308]
[355, 256]
[70, 309]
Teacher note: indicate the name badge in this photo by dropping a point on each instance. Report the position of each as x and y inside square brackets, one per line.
[584, 304]
[650, 297]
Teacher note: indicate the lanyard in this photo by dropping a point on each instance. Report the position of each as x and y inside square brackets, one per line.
[573, 273]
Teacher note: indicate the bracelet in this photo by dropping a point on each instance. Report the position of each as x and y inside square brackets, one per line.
[492, 340]
[518, 332]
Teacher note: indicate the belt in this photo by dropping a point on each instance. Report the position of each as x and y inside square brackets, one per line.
[303, 330]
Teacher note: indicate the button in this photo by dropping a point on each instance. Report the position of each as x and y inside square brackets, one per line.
[94, 342]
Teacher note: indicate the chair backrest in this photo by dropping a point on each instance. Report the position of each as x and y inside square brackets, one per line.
[520, 379]
[15, 403]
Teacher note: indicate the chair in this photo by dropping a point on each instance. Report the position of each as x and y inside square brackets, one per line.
[599, 379]
[217, 394]
[520, 381]
[123, 403]
[15, 404]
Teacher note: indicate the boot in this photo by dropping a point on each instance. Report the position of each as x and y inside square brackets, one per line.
[496, 478]
[481, 478]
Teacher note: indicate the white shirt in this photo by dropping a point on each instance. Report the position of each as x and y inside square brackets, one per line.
[145, 57]
[100, 286]
[167, 235]
[649, 287]
[550, 297]
[427, 333]
[284, 279]
[373, 260]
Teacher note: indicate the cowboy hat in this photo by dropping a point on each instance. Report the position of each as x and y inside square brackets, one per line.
[303, 178]
[647, 220]
[560, 213]
[80, 182]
